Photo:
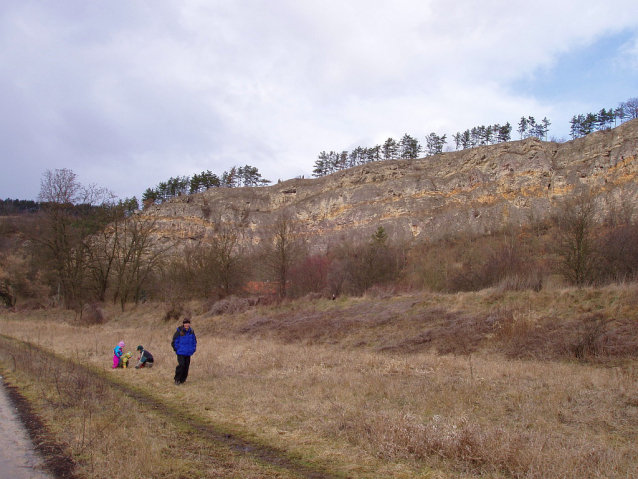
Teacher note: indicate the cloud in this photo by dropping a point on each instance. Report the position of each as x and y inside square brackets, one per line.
[627, 58]
[130, 94]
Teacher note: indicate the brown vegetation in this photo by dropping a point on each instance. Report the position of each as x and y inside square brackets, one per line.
[492, 384]
[465, 356]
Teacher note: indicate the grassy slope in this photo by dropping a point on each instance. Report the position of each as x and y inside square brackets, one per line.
[493, 384]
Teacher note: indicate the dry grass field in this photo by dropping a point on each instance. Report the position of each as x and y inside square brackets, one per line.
[490, 384]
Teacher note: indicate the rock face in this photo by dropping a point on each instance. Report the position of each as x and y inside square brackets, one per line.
[476, 191]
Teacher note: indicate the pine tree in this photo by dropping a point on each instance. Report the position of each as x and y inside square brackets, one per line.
[434, 144]
[504, 133]
[409, 147]
[522, 126]
[390, 149]
[320, 165]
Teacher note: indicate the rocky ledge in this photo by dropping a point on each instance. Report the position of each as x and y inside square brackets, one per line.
[477, 191]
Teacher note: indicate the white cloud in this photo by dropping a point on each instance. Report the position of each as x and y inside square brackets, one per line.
[129, 94]
[628, 56]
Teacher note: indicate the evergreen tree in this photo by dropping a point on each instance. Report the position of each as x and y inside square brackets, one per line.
[356, 157]
[466, 140]
[321, 165]
[545, 128]
[208, 179]
[488, 135]
[390, 149]
[250, 176]
[475, 136]
[373, 154]
[343, 159]
[334, 161]
[129, 205]
[195, 185]
[589, 124]
[522, 127]
[150, 196]
[229, 178]
[576, 129]
[409, 147]
[504, 132]
[434, 144]
[457, 140]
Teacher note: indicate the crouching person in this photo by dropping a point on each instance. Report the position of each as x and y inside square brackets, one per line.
[145, 360]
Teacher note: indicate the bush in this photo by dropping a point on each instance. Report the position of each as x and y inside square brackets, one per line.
[174, 312]
[232, 305]
[92, 313]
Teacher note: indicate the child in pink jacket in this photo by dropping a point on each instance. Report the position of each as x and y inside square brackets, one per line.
[117, 354]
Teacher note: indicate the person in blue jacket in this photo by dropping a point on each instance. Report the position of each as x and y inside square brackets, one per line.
[118, 351]
[184, 344]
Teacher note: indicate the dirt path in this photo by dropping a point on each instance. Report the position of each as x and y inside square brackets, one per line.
[208, 432]
[262, 453]
[18, 458]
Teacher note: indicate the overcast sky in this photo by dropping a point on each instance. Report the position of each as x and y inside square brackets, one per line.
[130, 93]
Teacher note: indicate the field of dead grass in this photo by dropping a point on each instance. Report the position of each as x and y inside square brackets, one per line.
[527, 385]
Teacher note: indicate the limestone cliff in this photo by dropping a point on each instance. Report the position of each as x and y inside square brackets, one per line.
[477, 190]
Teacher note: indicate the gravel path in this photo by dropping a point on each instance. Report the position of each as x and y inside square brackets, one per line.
[18, 459]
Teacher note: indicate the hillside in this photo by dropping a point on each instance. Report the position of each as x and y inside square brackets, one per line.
[477, 191]
[519, 384]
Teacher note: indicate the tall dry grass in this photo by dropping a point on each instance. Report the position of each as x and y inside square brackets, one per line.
[361, 387]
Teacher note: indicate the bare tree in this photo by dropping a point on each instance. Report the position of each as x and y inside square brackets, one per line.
[630, 108]
[102, 247]
[282, 249]
[619, 254]
[70, 217]
[310, 276]
[215, 267]
[371, 264]
[575, 244]
[137, 257]
[228, 260]
[62, 187]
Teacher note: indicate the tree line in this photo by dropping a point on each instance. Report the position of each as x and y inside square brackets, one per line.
[409, 147]
[13, 207]
[482, 135]
[183, 185]
[584, 124]
[83, 249]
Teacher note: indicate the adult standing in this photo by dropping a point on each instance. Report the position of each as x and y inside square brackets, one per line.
[184, 344]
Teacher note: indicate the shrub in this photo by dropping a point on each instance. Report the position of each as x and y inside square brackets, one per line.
[174, 312]
[92, 313]
[232, 305]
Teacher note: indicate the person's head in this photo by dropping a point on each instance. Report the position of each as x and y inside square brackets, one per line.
[140, 348]
[121, 344]
[186, 323]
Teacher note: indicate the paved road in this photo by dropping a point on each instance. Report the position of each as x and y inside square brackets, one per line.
[18, 460]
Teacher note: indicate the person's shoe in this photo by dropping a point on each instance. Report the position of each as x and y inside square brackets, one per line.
[177, 383]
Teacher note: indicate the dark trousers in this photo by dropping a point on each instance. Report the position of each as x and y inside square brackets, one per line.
[181, 371]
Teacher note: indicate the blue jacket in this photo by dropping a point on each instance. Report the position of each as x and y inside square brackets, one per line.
[117, 351]
[184, 342]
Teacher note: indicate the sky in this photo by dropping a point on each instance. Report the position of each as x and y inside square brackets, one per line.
[127, 94]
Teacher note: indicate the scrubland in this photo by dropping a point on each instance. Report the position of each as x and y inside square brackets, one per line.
[490, 384]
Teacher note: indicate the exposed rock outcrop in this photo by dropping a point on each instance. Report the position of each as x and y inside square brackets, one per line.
[477, 190]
